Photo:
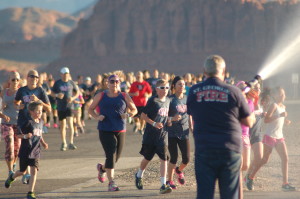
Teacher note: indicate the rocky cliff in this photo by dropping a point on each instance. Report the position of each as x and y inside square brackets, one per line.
[175, 35]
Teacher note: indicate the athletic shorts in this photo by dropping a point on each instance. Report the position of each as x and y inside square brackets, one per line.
[272, 141]
[256, 134]
[140, 110]
[54, 106]
[148, 151]
[25, 162]
[64, 114]
[246, 141]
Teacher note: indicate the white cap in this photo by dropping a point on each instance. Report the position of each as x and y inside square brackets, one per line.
[64, 70]
[88, 79]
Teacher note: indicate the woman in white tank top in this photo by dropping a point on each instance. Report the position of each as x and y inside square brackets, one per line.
[275, 119]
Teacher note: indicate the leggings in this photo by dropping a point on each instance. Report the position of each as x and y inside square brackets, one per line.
[112, 143]
[12, 142]
[184, 146]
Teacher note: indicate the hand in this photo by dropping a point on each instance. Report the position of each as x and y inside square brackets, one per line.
[177, 117]
[60, 95]
[21, 106]
[284, 114]
[6, 118]
[70, 100]
[29, 135]
[100, 117]
[159, 125]
[33, 98]
[4, 105]
[136, 93]
[287, 122]
[169, 123]
[45, 145]
[124, 115]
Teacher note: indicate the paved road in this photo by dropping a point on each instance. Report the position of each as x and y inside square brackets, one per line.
[72, 174]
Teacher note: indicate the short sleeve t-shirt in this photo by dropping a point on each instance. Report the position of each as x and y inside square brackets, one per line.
[179, 129]
[141, 87]
[30, 148]
[24, 94]
[67, 89]
[216, 109]
[152, 81]
[157, 111]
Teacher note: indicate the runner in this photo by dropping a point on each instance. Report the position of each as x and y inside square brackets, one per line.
[9, 122]
[112, 126]
[275, 119]
[155, 139]
[62, 90]
[179, 125]
[140, 91]
[31, 134]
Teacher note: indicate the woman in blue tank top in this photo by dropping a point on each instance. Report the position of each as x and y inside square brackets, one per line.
[114, 107]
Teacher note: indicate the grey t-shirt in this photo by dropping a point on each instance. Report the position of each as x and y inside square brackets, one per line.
[10, 109]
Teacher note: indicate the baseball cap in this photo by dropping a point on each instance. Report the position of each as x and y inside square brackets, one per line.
[64, 70]
[88, 79]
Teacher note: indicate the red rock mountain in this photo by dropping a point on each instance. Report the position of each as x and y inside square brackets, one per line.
[26, 24]
[174, 35]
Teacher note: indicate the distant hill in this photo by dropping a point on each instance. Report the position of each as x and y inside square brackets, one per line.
[25, 24]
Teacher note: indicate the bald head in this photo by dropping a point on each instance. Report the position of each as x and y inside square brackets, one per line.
[214, 66]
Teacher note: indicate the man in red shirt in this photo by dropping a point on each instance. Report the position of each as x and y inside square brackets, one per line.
[140, 91]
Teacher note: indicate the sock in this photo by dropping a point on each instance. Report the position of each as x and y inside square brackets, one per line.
[163, 180]
[29, 192]
[140, 173]
[55, 119]
[48, 119]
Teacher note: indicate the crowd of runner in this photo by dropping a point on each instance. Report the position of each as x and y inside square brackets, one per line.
[155, 103]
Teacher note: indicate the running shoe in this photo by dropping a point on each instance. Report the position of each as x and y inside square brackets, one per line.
[112, 186]
[138, 182]
[165, 189]
[9, 180]
[288, 187]
[63, 147]
[47, 125]
[31, 195]
[55, 125]
[25, 178]
[180, 176]
[101, 173]
[249, 183]
[172, 184]
[72, 146]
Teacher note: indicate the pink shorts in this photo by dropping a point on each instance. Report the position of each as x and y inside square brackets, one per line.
[272, 141]
[246, 141]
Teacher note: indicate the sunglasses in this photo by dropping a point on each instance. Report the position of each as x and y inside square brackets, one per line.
[112, 81]
[15, 79]
[163, 87]
[33, 76]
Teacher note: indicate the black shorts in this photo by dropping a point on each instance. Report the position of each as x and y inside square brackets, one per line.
[64, 114]
[140, 110]
[148, 151]
[25, 162]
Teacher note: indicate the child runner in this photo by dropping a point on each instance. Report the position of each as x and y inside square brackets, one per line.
[178, 132]
[76, 108]
[30, 147]
[155, 139]
[275, 119]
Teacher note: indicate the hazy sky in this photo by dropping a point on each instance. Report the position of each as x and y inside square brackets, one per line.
[67, 6]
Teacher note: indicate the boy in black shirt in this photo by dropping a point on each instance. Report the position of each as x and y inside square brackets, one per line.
[30, 147]
[155, 138]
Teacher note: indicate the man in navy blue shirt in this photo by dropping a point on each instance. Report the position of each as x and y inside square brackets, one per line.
[62, 90]
[217, 110]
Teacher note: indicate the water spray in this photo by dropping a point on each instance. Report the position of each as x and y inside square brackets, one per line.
[276, 63]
